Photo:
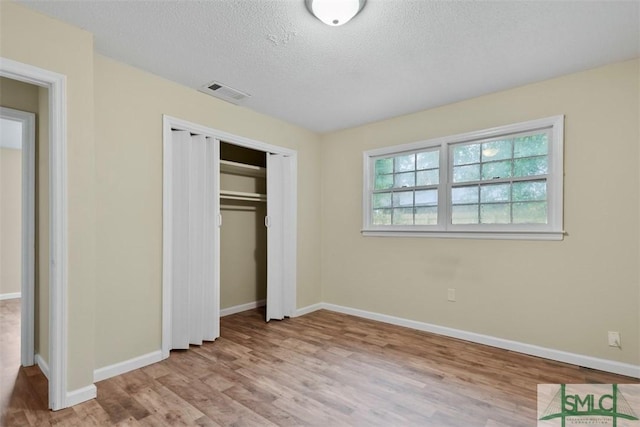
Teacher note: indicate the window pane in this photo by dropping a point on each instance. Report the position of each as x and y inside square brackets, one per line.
[431, 177]
[381, 217]
[404, 198]
[466, 173]
[496, 170]
[529, 190]
[382, 200]
[384, 166]
[532, 145]
[530, 213]
[461, 195]
[466, 154]
[427, 216]
[530, 166]
[407, 179]
[383, 182]
[495, 193]
[403, 216]
[466, 214]
[405, 163]
[495, 213]
[428, 160]
[427, 197]
[496, 150]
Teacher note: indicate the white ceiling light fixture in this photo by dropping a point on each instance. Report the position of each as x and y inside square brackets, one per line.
[335, 12]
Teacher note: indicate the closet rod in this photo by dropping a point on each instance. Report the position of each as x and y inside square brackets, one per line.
[238, 208]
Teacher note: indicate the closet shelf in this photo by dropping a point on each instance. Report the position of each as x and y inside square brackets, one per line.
[235, 168]
[241, 195]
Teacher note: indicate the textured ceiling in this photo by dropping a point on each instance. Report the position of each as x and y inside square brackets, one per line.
[395, 57]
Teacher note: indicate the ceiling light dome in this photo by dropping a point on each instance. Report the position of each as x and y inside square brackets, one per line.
[335, 12]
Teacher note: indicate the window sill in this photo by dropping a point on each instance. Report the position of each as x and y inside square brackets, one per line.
[493, 235]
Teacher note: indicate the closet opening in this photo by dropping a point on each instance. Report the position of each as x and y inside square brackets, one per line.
[243, 234]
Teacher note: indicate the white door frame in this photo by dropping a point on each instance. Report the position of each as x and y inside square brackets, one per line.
[56, 84]
[27, 221]
[290, 212]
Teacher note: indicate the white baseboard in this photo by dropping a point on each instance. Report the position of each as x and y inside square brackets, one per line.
[80, 395]
[44, 367]
[309, 309]
[126, 366]
[242, 307]
[533, 350]
[12, 295]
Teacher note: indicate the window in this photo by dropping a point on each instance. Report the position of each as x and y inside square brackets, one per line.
[504, 182]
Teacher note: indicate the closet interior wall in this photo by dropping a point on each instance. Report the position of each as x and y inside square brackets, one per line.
[243, 235]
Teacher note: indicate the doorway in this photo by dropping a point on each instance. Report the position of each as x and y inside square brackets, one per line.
[17, 232]
[55, 85]
[243, 234]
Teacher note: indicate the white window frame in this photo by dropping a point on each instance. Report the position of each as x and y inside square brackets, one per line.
[552, 230]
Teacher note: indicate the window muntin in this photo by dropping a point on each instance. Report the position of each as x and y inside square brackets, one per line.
[406, 188]
[505, 181]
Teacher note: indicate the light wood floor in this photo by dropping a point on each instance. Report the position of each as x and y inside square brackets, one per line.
[323, 369]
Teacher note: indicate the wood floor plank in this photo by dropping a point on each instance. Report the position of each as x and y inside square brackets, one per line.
[163, 403]
[322, 369]
[217, 406]
[254, 398]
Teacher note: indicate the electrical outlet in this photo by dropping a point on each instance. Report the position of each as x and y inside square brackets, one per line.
[451, 295]
[614, 339]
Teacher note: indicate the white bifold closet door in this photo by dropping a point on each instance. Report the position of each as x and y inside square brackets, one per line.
[279, 277]
[194, 235]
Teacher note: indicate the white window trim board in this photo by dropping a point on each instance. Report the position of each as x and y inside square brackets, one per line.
[553, 230]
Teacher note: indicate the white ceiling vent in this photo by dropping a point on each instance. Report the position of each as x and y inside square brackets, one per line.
[223, 92]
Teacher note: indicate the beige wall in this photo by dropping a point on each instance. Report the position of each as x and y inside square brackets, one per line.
[18, 95]
[243, 255]
[562, 295]
[129, 105]
[34, 39]
[10, 220]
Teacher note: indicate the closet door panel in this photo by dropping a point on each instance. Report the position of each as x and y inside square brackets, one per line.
[211, 244]
[275, 241]
[195, 273]
[180, 143]
[197, 164]
[289, 218]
